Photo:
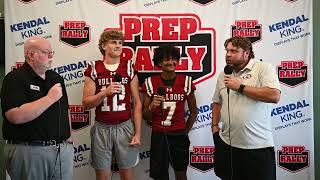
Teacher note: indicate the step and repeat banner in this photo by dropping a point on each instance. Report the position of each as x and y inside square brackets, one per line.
[281, 32]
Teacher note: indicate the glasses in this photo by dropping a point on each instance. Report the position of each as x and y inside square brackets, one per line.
[47, 53]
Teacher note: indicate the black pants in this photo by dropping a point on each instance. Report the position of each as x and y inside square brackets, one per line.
[168, 148]
[247, 164]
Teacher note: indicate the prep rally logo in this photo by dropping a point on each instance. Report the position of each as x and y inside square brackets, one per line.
[202, 158]
[115, 2]
[145, 32]
[203, 2]
[74, 33]
[291, 0]
[26, 1]
[292, 73]
[293, 158]
[247, 28]
[80, 118]
[17, 65]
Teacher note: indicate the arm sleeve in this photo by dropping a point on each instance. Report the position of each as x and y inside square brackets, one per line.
[90, 71]
[13, 92]
[269, 77]
[147, 87]
[216, 96]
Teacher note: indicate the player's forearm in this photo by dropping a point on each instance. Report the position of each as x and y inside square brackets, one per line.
[147, 114]
[215, 113]
[191, 120]
[93, 101]
[137, 119]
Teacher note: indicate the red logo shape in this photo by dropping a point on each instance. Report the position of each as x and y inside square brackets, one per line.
[145, 32]
[75, 33]
[26, 1]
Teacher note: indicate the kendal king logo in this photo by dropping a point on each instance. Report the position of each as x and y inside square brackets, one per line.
[145, 32]
[30, 28]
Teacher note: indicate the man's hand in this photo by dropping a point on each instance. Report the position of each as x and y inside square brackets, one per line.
[232, 83]
[55, 92]
[113, 88]
[136, 140]
[156, 101]
[70, 140]
[215, 129]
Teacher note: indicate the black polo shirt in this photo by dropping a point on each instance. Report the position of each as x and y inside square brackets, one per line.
[23, 85]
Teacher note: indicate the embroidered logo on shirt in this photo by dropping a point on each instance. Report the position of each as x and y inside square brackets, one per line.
[247, 76]
[33, 87]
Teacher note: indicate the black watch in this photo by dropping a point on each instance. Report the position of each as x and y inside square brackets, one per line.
[240, 90]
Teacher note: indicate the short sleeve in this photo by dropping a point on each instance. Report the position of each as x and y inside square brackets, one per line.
[216, 96]
[90, 70]
[269, 77]
[147, 87]
[189, 85]
[132, 71]
[12, 92]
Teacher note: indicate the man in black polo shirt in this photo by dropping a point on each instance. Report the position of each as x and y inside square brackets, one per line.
[36, 126]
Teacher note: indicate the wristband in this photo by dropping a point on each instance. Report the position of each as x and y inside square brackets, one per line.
[240, 90]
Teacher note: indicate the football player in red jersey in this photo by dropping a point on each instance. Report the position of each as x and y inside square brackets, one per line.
[163, 105]
[110, 85]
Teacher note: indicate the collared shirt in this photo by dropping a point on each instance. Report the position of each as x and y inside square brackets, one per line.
[22, 86]
[250, 119]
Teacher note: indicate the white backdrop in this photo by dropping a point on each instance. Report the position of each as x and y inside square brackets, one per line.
[281, 31]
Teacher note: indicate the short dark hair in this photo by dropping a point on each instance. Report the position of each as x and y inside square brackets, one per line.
[107, 35]
[241, 42]
[165, 51]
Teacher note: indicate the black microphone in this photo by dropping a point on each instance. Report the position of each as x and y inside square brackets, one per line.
[228, 69]
[117, 78]
[161, 91]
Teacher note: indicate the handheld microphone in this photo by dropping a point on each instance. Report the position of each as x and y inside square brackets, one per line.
[162, 92]
[228, 69]
[117, 78]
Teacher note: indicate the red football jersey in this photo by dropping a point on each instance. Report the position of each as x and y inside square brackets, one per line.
[116, 108]
[172, 115]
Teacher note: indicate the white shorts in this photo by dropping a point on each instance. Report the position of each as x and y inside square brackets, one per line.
[113, 140]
